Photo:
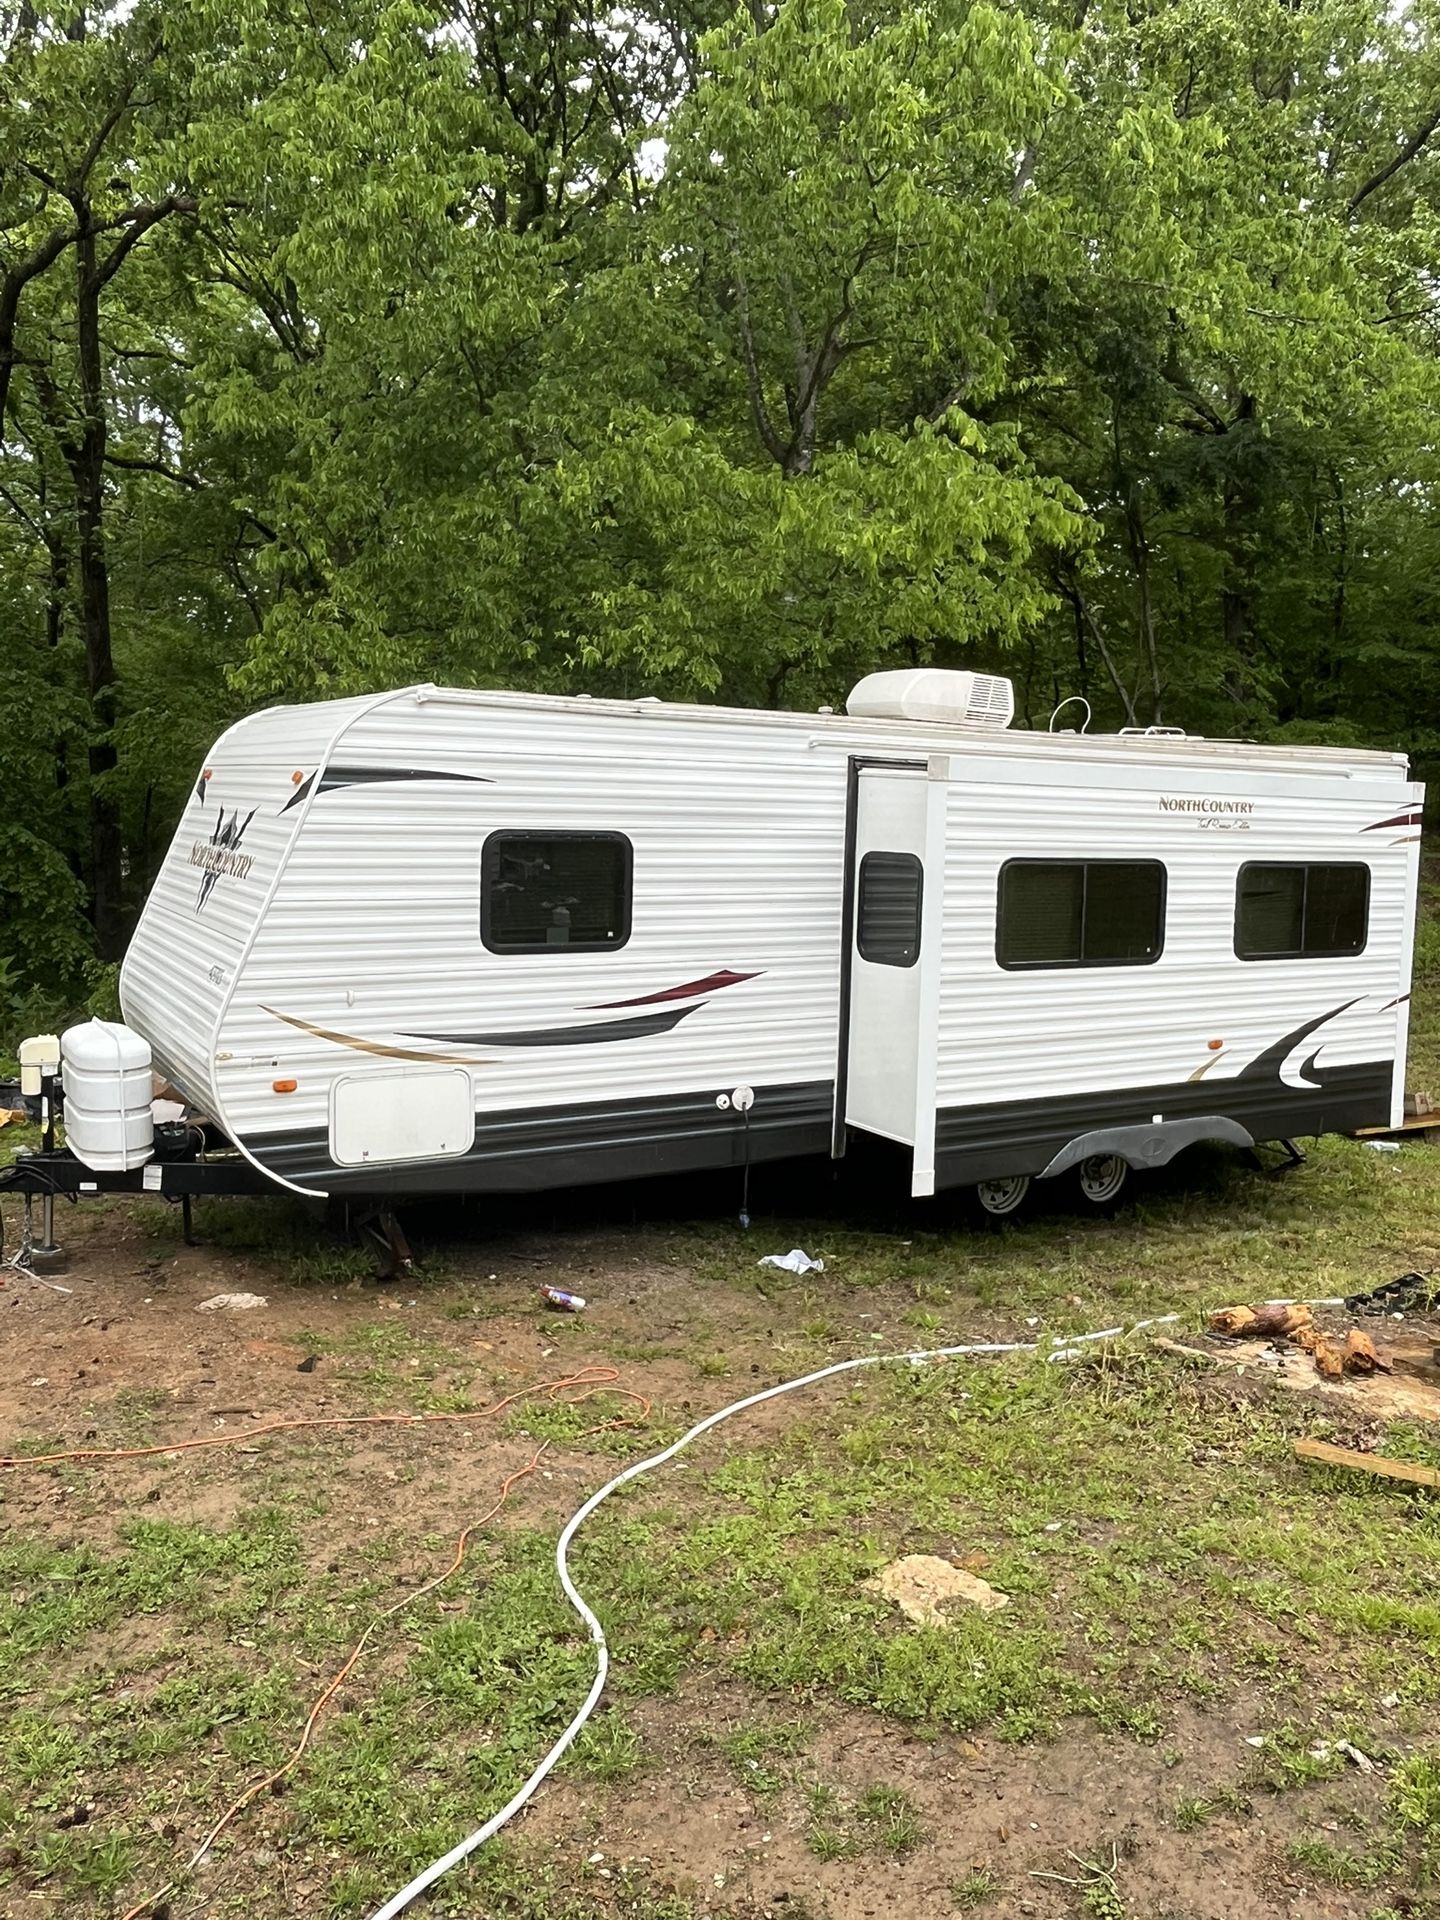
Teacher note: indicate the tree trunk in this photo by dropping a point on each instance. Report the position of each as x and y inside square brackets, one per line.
[86, 455]
[1237, 591]
[55, 628]
[1140, 559]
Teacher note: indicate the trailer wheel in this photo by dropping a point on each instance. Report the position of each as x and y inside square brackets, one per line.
[1102, 1178]
[999, 1197]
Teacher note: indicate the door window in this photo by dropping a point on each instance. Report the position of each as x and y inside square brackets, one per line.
[892, 886]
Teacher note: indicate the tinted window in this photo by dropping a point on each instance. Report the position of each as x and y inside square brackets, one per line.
[1080, 913]
[541, 891]
[888, 916]
[1301, 912]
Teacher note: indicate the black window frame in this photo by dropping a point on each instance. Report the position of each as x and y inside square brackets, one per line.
[493, 848]
[1303, 952]
[911, 861]
[1062, 966]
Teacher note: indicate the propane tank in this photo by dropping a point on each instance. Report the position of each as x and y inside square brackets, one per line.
[105, 1070]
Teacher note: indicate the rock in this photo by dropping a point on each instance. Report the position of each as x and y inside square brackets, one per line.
[929, 1590]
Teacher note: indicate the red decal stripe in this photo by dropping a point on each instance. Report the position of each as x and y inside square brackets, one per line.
[712, 981]
[1397, 820]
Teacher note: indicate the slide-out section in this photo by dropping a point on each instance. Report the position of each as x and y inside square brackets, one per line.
[888, 882]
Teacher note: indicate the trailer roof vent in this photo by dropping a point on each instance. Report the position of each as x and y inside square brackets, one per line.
[934, 694]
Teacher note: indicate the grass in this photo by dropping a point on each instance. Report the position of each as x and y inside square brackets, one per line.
[1190, 1558]
[403, 1766]
[975, 1889]
[881, 1819]
[1167, 1556]
[757, 1751]
[1193, 1812]
[1162, 1553]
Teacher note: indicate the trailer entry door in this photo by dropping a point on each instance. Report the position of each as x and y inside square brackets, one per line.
[888, 881]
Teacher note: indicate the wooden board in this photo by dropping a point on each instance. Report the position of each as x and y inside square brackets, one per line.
[1412, 1123]
[1328, 1456]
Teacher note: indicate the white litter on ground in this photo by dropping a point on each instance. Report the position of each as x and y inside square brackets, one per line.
[796, 1261]
[231, 1302]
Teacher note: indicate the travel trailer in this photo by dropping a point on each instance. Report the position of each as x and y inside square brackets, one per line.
[434, 941]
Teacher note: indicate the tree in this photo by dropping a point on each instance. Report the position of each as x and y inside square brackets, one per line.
[84, 183]
[718, 353]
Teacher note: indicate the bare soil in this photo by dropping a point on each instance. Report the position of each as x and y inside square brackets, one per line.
[1015, 1811]
[126, 1358]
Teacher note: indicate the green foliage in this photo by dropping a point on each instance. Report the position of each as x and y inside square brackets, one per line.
[977, 1888]
[731, 354]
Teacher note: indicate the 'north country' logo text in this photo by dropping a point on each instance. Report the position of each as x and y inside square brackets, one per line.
[220, 854]
[1188, 803]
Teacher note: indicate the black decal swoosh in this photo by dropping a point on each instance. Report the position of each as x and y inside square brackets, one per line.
[635, 1028]
[334, 778]
[1267, 1065]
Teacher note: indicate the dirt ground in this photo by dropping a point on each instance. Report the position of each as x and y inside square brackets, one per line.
[1013, 1811]
[126, 1357]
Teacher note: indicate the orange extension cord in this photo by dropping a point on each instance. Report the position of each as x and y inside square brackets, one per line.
[572, 1390]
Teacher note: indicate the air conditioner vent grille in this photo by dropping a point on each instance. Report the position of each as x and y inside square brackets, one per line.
[936, 695]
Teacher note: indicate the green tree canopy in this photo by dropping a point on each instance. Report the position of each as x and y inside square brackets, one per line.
[711, 353]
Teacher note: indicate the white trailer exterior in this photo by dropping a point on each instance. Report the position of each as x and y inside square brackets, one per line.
[327, 964]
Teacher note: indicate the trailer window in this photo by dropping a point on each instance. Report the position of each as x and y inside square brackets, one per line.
[1301, 912]
[540, 891]
[1080, 913]
[888, 916]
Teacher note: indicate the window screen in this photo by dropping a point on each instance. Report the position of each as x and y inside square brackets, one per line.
[1080, 913]
[544, 890]
[1301, 912]
[888, 917]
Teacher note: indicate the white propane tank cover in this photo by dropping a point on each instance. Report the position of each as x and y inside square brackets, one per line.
[939, 695]
[106, 1075]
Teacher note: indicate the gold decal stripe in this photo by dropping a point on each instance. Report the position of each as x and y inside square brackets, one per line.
[374, 1046]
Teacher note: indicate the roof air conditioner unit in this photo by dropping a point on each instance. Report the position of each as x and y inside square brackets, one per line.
[934, 694]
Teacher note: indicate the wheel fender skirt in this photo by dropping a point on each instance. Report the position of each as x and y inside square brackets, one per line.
[1149, 1146]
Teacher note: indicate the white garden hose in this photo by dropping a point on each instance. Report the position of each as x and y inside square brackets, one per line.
[1063, 1347]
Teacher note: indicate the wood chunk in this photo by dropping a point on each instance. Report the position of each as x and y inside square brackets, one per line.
[1270, 1321]
[1360, 1353]
[1233, 1321]
[1325, 1455]
[1329, 1360]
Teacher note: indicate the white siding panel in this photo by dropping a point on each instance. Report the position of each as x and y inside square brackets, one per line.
[1049, 1032]
[182, 960]
[738, 848]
